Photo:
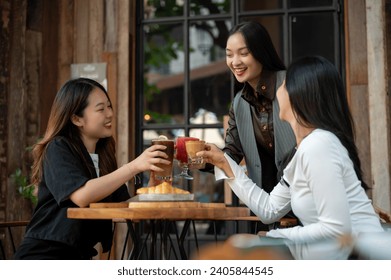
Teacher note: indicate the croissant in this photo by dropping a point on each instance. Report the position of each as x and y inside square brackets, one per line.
[163, 188]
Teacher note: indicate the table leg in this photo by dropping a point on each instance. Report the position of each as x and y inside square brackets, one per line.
[135, 240]
[195, 237]
[2, 251]
[215, 231]
[171, 242]
[153, 240]
[12, 239]
[163, 244]
[181, 240]
[125, 244]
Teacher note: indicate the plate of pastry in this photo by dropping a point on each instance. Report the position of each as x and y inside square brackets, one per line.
[162, 192]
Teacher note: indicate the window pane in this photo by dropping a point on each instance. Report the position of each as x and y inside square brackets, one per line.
[163, 73]
[200, 7]
[313, 34]
[273, 25]
[210, 135]
[206, 188]
[210, 78]
[309, 3]
[162, 8]
[204, 185]
[150, 134]
[251, 5]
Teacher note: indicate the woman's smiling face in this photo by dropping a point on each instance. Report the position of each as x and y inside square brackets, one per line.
[241, 62]
[96, 121]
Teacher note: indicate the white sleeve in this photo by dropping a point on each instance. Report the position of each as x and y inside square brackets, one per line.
[269, 208]
[323, 170]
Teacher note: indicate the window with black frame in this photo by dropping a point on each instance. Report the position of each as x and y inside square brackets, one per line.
[185, 87]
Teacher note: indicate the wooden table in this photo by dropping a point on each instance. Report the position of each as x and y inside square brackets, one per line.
[159, 211]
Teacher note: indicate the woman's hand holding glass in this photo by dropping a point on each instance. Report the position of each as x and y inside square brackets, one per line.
[212, 154]
[150, 158]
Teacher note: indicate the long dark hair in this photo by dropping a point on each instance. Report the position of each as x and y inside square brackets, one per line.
[318, 99]
[72, 99]
[259, 44]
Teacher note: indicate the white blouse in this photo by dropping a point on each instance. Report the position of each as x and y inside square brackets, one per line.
[95, 161]
[324, 193]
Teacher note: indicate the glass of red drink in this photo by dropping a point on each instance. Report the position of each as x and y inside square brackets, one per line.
[181, 156]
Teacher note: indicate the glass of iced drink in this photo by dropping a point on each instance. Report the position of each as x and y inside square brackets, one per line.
[166, 174]
[192, 148]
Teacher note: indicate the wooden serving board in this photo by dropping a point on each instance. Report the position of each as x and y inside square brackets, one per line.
[162, 197]
[157, 204]
[174, 204]
[163, 204]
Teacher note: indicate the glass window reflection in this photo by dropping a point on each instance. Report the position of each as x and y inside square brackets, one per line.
[309, 3]
[313, 34]
[163, 8]
[251, 5]
[274, 25]
[209, 7]
[209, 74]
[163, 73]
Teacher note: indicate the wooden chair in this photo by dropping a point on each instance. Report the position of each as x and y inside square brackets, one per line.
[8, 226]
[227, 250]
[385, 218]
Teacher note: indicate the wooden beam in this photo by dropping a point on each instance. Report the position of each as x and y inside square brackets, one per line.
[65, 40]
[95, 30]
[378, 104]
[357, 79]
[81, 29]
[49, 70]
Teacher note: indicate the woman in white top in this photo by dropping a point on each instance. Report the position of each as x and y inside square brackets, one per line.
[322, 184]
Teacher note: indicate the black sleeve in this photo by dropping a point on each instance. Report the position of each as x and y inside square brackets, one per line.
[233, 146]
[64, 171]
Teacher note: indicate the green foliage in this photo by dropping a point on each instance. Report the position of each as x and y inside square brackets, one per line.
[24, 188]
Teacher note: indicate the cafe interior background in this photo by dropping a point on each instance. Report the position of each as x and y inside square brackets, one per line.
[163, 63]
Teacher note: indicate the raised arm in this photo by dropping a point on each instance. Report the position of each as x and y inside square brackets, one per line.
[269, 208]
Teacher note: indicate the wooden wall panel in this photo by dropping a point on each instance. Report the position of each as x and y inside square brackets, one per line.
[49, 70]
[33, 66]
[361, 117]
[5, 46]
[357, 78]
[96, 30]
[388, 50]
[123, 151]
[356, 51]
[65, 40]
[81, 29]
[111, 26]
[17, 105]
[378, 96]
[17, 208]
[123, 45]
